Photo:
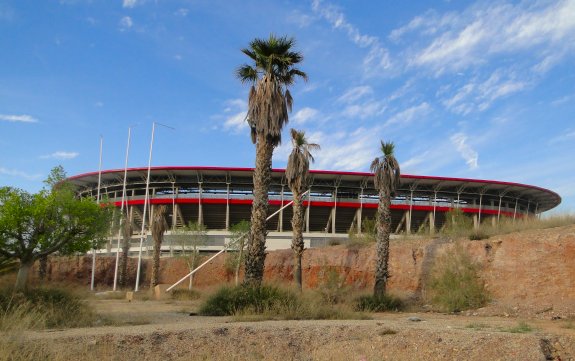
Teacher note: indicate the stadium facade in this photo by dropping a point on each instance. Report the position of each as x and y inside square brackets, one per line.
[337, 202]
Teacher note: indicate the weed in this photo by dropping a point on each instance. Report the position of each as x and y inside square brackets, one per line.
[332, 288]
[185, 295]
[477, 326]
[381, 303]
[387, 331]
[522, 327]
[43, 308]
[455, 284]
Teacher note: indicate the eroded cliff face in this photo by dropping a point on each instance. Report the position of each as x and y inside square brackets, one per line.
[534, 268]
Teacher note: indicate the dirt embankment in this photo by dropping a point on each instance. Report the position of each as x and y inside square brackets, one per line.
[529, 272]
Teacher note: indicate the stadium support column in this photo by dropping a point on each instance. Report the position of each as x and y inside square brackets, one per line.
[334, 211]
[307, 210]
[359, 212]
[536, 210]
[515, 211]
[499, 209]
[200, 209]
[480, 204]
[281, 215]
[174, 216]
[410, 213]
[432, 218]
[228, 206]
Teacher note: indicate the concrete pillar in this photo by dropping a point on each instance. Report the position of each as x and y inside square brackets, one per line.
[480, 204]
[334, 211]
[281, 215]
[409, 215]
[360, 212]
[228, 207]
[200, 208]
[307, 210]
[432, 222]
[475, 221]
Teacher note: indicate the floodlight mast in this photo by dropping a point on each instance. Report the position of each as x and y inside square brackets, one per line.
[146, 200]
[122, 220]
[98, 202]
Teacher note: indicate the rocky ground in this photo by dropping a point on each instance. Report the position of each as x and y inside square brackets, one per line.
[167, 332]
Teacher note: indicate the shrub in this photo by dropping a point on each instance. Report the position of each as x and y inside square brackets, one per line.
[43, 308]
[371, 303]
[271, 302]
[332, 287]
[478, 235]
[455, 284]
[232, 300]
[184, 295]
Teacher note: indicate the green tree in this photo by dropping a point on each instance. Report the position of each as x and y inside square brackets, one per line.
[198, 236]
[272, 72]
[238, 241]
[36, 225]
[159, 227]
[386, 180]
[297, 175]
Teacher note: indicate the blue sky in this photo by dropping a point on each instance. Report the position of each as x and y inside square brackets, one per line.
[465, 89]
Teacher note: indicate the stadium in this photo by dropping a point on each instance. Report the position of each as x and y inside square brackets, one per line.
[337, 202]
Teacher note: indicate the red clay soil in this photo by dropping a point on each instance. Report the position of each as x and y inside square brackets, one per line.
[526, 273]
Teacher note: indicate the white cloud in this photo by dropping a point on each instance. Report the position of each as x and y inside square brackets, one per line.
[364, 110]
[304, 114]
[349, 151]
[470, 156]
[129, 3]
[300, 19]
[22, 118]
[565, 136]
[61, 155]
[234, 115]
[377, 61]
[410, 114]
[478, 95]
[182, 12]
[481, 31]
[19, 174]
[126, 23]
[355, 94]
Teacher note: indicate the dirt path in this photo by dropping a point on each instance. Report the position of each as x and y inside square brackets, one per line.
[171, 334]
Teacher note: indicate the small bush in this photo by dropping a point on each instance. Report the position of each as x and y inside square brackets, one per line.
[232, 300]
[332, 288]
[43, 308]
[273, 303]
[455, 284]
[184, 295]
[371, 303]
[522, 327]
[478, 235]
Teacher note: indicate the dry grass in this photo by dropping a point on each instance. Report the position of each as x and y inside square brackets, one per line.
[459, 225]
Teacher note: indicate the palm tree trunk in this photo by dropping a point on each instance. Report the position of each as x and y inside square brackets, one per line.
[155, 278]
[23, 271]
[297, 244]
[256, 250]
[123, 266]
[383, 224]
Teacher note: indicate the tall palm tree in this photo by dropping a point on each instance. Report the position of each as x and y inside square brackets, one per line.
[386, 179]
[272, 72]
[159, 226]
[297, 175]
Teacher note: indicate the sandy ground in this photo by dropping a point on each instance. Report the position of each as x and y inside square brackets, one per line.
[164, 330]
